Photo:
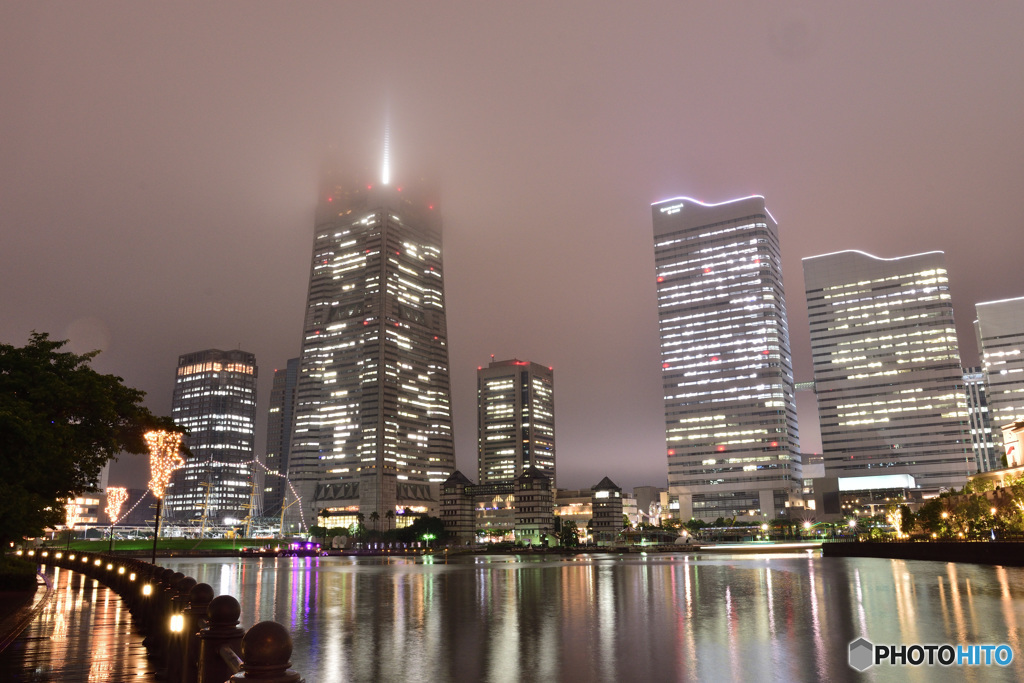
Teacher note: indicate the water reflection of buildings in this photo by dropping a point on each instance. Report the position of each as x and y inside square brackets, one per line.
[608, 618]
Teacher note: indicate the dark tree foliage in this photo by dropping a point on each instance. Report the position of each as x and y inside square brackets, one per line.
[60, 423]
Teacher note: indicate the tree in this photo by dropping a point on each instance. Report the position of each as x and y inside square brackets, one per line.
[375, 518]
[389, 517]
[569, 536]
[60, 423]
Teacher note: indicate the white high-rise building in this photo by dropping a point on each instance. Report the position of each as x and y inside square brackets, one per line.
[887, 372]
[515, 420]
[1000, 330]
[730, 415]
[372, 428]
[215, 399]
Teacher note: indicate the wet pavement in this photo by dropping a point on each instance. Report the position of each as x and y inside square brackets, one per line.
[83, 633]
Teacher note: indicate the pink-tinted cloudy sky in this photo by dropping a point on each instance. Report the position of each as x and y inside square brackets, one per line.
[159, 167]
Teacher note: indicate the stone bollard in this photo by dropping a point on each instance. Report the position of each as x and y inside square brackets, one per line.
[223, 632]
[177, 634]
[195, 619]
[266, 653]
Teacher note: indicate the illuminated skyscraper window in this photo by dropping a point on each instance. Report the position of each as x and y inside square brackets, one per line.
[215, 399]
[730, 416]
[372, 416]
[887, 370]
[515, 420]
[1000, 330]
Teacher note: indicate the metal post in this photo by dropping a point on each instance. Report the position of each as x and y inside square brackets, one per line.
[156, 529]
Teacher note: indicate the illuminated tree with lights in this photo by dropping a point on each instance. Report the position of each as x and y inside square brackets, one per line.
[72, 515]
[164, 458]
[117, 496]
[61, 422]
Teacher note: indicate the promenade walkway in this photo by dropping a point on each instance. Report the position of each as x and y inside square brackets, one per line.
[84, 633]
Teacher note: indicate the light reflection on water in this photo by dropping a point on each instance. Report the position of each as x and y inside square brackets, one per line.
[614, 618]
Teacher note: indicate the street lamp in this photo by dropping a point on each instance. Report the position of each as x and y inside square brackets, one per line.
[164, 458]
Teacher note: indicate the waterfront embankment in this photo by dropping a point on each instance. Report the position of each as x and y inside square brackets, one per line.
[978, 552]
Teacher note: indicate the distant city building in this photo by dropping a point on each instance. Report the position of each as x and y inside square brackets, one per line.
[372, 431]
[534, 507]
[1000, 330]
[515, 420]
[215, 400]
[576, 506]
[280, 417]
[887, 368]
[520, 509]
[730, 414]
[976, 392]
[608, 520]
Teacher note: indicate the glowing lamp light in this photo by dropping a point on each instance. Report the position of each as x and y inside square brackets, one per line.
[177, 623]
[807, 525]
[110, 567]
[117, 496]
[147, 589]
[671, 451]
[774, 444]
[661, 279]
[164, 458]
[120, 570]
[720, 449]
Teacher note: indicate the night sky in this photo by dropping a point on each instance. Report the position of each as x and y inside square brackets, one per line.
[160, 165]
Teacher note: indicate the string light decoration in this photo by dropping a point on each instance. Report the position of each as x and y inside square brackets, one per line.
[72, 513]
[164, 458]
[117, 496]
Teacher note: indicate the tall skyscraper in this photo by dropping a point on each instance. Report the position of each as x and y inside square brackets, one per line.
[280, 416]
[1000, 330]
[215, 399]
[976, 392]
[730, 415]
[887, 368]
[373, 413]
[515, 420]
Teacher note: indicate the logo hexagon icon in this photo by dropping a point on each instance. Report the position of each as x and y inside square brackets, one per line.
[861, 654]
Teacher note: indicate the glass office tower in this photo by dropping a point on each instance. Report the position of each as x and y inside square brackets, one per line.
[730, 414]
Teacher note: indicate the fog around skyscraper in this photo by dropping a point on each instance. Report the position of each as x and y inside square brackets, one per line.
[162, 162]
